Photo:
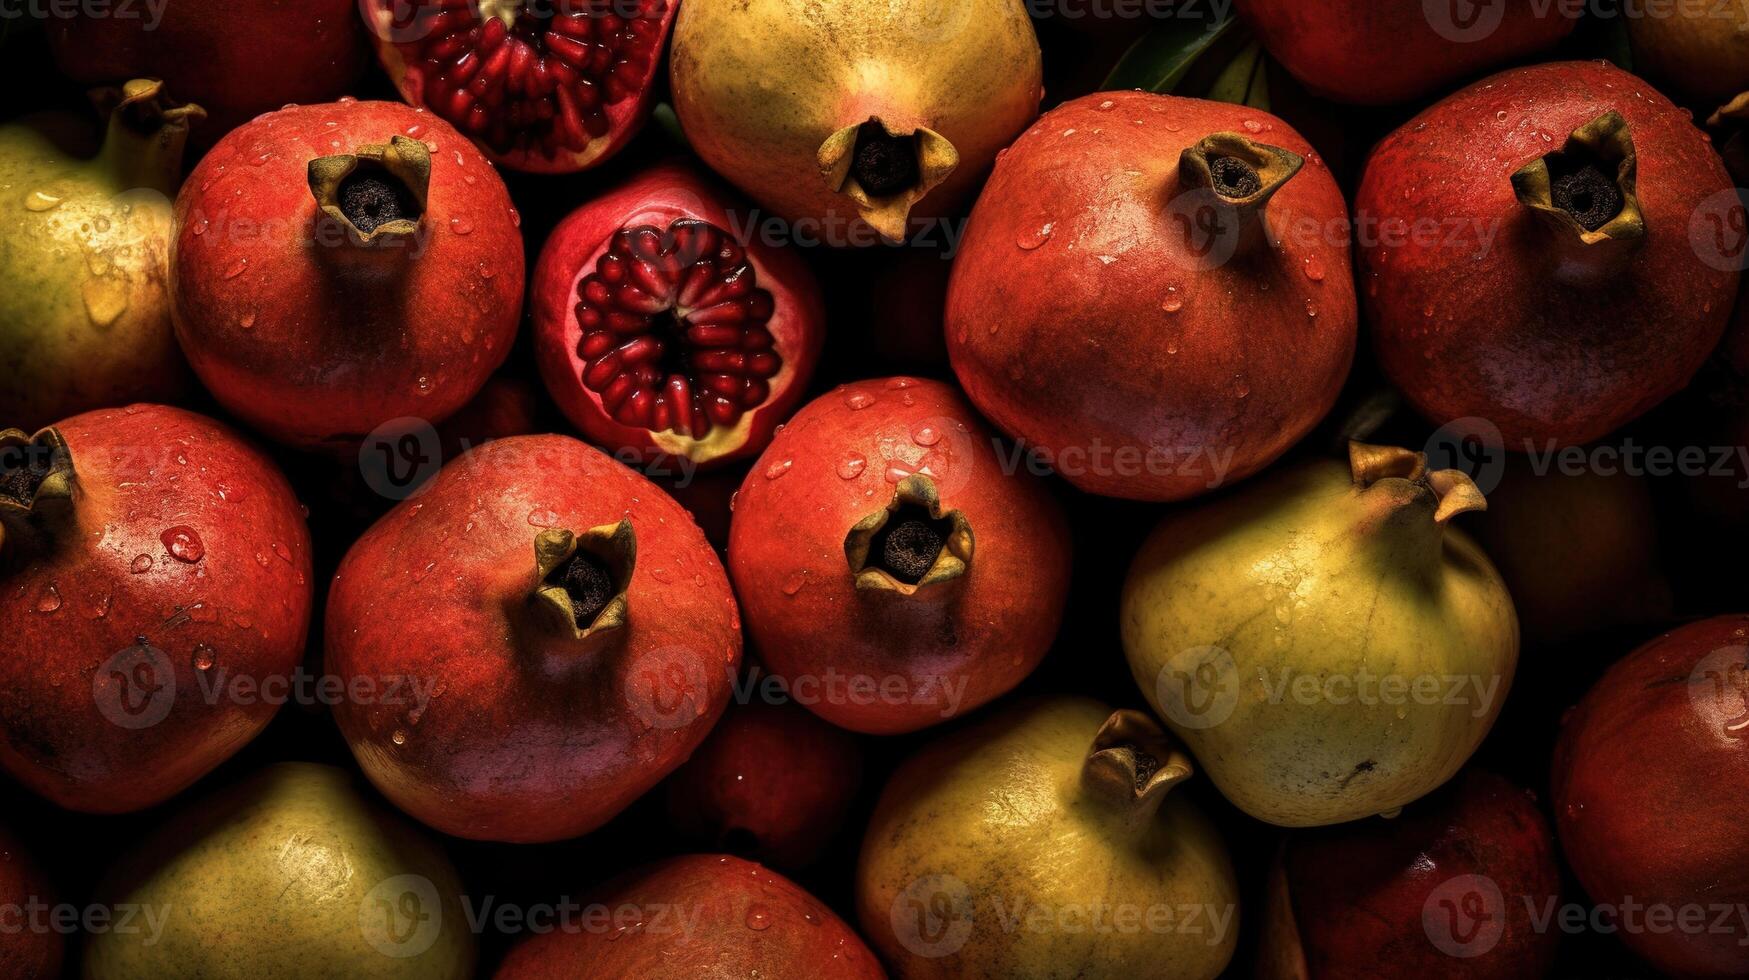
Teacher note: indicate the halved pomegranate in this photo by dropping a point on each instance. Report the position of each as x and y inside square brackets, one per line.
[546, 86]
[662, 333]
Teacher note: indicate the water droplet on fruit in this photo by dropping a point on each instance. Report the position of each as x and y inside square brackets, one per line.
[200, 227]
[106, 299]
[1311, 309]
[141, 564]
[856, 401]
[926, 435]
[852, 465]
[1314, 268]
[541, 517]
[662, 575]
[204, 657]
[1173, 302]
[247, 320]
[183, 543]
[1252, 126]
[1035, 237]
[237, 268]
[100, 608]
[460, 225]
[778, 469]
[41, 201]
[423, 384]
[399, 738]
[758, 919]
[896, 474]
[49, 599]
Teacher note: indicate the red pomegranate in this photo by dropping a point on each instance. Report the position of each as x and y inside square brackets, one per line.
[237, 58]
[565, 635]
[544, 87]
[894, 566]
[339, 266]
[1372, 53]
[31, 948]
[662, 329]
[772, 783]
[1155, 292]
[1553, 250]
[1451, 890]
[699, 916]
[156, 568]
[1665, 831]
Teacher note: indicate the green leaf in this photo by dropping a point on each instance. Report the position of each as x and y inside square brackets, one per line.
[669, 123]
[1237, 81]
[1161, 59]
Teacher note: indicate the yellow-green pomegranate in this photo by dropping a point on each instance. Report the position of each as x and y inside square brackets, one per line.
[85, 247]
[1323, 642]
[291, 873]
[1701, 50]
[855, 114]
[1048, 841]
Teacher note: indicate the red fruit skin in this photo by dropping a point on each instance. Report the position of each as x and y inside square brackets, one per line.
[30, 949]
[1505, 341]
[504, 407]
[1665, 828]
[772, 782]
[531, 735]
[142, 471]
[1361, 893]
[809, 623]
[1369, 52]
[316, 342]
[739, 920]
[235, 58]
[1076, 355]
[399, 30]
[658, 197]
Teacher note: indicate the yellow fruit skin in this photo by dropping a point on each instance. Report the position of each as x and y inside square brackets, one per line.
[291, 873]
[999, 811]
[1312, 586]
[85, 244]
[759, 86]
[1700, 50]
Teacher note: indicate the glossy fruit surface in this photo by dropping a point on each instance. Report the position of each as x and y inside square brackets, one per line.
[887, 113]
[1665, 833]
[154, 575]
[332, 278]
[30, 949]
[1553, 253]
[1700, 50]
[1060, 807]
[741, 921]
[892, 569]
[1324, 643]
[237, 58]
[1118, 307]
[292, 872]
[566, 634]
[661, 333]
[772, 783]
[1363, 51]
[85, 320]
[1450, 890]
[541, 87]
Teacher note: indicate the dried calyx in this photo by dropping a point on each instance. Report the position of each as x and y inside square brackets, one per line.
[911, 543]
[1731, 123]
[583, 578]
[886, 172]
[1585, 194]
[376, 194]
[33, 469]
[1455, 491]
[1132, 765]
[1239, 176]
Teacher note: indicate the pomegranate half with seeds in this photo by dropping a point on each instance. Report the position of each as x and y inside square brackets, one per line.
[661, 332]
[894, 570]
[545, 86]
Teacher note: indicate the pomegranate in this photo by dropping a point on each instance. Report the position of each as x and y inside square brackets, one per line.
[1454, 889]
[1731, 122]
[30, 949]
[1371, 53]
[1049, 839]
[1155, 293]
[546, 86]
[699, 916]
[157, 569]
[565, 634]
[888, 114]
[237, 58]
[1324, 641]
[1553, 250]
[895, 571]
[86, 322]
[1700, 50]
[772, 782]
[663, 331]
[333, 273]
[1666, 833]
